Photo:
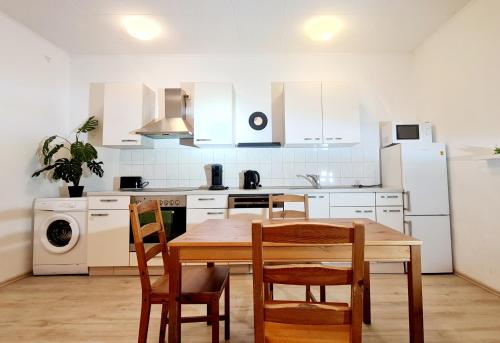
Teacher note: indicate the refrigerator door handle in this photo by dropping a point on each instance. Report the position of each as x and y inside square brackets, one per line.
[407, 224]
[406, 200]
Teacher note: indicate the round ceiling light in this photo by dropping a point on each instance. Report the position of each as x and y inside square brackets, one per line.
[141, 27]
[322, 28]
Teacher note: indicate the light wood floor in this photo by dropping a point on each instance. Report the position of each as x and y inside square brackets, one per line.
[106, 309]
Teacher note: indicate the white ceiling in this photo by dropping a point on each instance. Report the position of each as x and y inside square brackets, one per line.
[216, 26]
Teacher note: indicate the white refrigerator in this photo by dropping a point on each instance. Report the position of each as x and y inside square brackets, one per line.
[420, 169]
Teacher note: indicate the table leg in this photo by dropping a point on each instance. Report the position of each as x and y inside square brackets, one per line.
[175, 277]
[415, 309]
[367, 304]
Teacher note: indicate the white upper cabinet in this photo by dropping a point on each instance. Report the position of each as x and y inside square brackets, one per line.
[127, 107]
[303, 117]
[341, 113]
[213, 113]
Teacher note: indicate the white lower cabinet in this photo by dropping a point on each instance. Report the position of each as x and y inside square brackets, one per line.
[108, 238]
[195, 216]
[353, 212]
[393, 218]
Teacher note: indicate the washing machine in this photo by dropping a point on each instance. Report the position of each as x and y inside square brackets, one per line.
[60, 236]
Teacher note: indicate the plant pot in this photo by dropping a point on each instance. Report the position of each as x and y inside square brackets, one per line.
[75, 191]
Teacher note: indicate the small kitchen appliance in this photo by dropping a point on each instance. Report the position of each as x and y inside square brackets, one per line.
[251, 179]
[217, 178]
[132, 183]
[403, 132]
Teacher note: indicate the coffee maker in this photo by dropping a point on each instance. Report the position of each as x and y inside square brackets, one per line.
[217, 178]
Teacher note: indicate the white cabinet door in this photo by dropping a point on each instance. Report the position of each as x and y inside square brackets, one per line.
[207, 201]
[303, 115]
[352, 199]
[393, 218]
[353, 212]
[319, 205]
[195, 216]
[108, 238]
[213, 113]
[127, 107]
[341, 113]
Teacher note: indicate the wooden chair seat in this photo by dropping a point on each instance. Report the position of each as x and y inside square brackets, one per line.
[197, 282]
[293, 333]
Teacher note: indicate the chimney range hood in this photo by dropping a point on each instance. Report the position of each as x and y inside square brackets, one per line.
[172, 123]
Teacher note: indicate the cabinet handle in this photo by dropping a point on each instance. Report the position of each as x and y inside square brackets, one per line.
[308, 139]
[338, 138]
[329, 138]
[312, 197]
[108, 200]
[130, 140]
[99, 214]
[206, 199]
[407, 202]
[392, 196]
[359, 211]
[392, 211]
[203, 139]
[368, 211]
[317, 138]
[214, 213]
[407, 223]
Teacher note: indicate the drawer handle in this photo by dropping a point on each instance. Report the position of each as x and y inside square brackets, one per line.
[214, 213]
[109, 200]
[99, 214]
[394, 211]
[308, 139]
[206, 199]
[338, 138]
[312, 197]
[130, 140]
[317, 138]
[359, 211]
[392, 196]
[203, 139]
[368, 211]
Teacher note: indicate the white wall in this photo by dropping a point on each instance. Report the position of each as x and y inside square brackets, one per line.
[385, 82]
[34, 83]
[458, 76]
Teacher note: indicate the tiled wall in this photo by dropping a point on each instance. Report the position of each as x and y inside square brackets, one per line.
[185, 167]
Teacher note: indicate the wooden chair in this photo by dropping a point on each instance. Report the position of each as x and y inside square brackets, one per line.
[288, 214]
[298, 321]
[200, 284]
[293, 214]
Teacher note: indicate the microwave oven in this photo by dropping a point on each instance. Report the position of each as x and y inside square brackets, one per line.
[397, 132]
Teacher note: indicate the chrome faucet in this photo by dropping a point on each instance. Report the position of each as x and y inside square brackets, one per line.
[313, 179]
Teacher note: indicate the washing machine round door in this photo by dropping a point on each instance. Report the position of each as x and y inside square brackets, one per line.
[60, 233]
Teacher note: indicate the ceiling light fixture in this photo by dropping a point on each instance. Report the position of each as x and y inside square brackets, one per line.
[322, 28]
[141, 27]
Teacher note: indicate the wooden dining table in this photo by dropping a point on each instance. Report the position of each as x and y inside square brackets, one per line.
[230, 240]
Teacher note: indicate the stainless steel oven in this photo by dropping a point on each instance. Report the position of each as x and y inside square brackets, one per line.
[173, 210]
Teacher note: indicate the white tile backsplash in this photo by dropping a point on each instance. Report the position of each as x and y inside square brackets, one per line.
[174, 167]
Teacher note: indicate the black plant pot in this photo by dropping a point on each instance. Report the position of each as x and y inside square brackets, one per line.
[75, 191]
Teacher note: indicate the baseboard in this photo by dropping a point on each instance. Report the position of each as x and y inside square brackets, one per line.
[478, 284]
[15, 278]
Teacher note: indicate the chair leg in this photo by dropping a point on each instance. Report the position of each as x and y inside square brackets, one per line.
[144, 321]
[209, 312]
[215, 321]
[227, 320]
[271, 291]
[308, 291]
[322, 294]
[164, 321]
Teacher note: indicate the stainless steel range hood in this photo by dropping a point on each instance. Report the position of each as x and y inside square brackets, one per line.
[172, 124]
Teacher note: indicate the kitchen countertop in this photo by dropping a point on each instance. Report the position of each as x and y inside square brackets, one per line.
[263, 190]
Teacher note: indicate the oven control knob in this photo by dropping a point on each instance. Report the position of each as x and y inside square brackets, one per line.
[161, 202]
[177, 202]
[171, 202]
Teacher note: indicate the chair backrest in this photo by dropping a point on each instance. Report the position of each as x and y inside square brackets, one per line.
[288, 214]
[298, 312]
[140, 232]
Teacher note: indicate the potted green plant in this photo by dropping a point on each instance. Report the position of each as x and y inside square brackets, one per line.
[70, 167]
[497, 151]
